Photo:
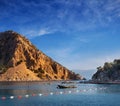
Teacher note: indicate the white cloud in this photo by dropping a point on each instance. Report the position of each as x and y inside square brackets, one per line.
[35, 33]
[67, 16]
[44, 32]
[60, 53]
[80, 61]
[82, 40]
[89, 63]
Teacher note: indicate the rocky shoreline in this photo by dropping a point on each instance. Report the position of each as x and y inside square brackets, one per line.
[108, 73]
[99, 82]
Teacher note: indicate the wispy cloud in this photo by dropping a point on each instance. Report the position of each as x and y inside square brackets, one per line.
[78, 61]
[35, 33]
[92, 62]
[44, 32]
[60, 53]
[63, 15]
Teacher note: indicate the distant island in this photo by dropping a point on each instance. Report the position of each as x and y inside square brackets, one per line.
[109, 73]
[20, 60]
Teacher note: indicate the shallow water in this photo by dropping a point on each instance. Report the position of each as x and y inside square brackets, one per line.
[46, 94]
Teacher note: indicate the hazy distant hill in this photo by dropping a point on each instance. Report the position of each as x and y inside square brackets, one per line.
[109, 72]
[20, 61]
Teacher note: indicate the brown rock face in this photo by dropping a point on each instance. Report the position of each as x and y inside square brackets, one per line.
[16, 50]
[110, 72]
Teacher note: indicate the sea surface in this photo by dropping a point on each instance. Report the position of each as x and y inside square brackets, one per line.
[47, 94]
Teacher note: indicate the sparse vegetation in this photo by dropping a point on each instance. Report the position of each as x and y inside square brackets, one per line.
[19, 62]
[39, 70]
[110, 71]
[110, 66]
[40, 75]
[3, 69]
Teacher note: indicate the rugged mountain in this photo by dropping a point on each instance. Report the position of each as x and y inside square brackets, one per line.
[110, 72]
[21, 60]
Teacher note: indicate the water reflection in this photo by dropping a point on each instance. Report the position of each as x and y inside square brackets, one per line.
[108, 88]
[22, 88]
[29, 88]
[29, 94]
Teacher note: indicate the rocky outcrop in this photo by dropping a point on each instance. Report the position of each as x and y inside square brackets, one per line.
[16, 50]
[110, 72]
[19, 73]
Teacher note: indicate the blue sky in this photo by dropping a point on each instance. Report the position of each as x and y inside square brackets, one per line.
[79, 34]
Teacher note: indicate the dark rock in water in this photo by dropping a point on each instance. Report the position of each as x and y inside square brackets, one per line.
[110, 72]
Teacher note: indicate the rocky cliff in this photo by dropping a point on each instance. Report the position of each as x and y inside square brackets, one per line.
[20, 60]
[110, 72]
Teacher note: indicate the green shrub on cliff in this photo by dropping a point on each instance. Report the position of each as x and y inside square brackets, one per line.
[110, 66]
[109, 72]
[2, 69]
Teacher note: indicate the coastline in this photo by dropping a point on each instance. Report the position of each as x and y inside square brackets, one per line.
[50, 81]
[36, 81]
[100, 82]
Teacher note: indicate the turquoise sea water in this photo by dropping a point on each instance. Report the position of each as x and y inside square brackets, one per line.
[46, 94]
